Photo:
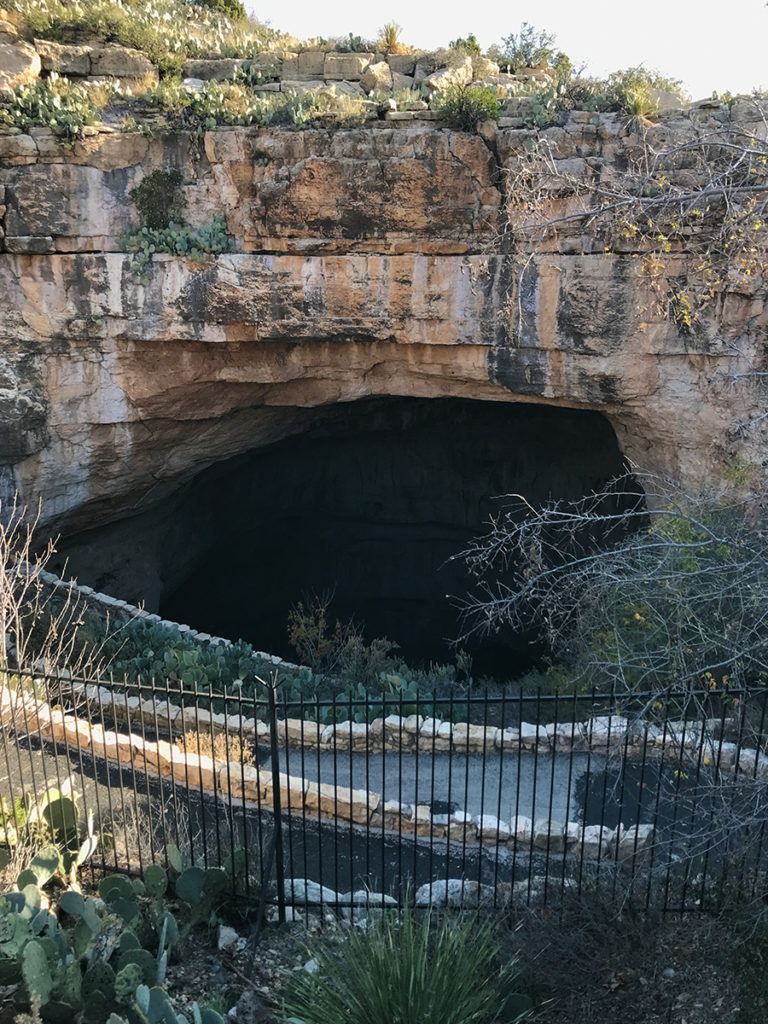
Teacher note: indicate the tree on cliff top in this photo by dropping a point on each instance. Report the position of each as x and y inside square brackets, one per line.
[699, 193]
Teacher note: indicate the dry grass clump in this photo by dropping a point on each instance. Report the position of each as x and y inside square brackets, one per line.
[220, 746]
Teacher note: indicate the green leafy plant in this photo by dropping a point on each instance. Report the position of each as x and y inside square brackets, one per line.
[336, 648]
[353, 44]
[410, 969]
[93, 962]
[54, 821]
[390, 38]
[529, 48]
[466, 106]
[53, 103]
[177, 241]
[158, 199]
[630, 89]
[232, 8]
[468, 45]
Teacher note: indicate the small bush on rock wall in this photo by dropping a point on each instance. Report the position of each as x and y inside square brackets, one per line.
[175, 240]
[466, 106]
[158, 198]
[236, 103]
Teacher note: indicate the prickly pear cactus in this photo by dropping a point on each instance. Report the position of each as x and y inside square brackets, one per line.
[155, 881]
[98, 978]
[36, 972]
[127, 980]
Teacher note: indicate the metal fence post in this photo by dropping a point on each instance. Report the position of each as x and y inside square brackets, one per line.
[275, 753]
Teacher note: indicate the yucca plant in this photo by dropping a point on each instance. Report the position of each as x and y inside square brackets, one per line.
[408, 968]
[390, 38]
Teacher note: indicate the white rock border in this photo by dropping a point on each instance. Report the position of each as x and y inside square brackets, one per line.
[256, 788]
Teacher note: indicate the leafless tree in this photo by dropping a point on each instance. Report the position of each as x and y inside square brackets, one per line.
[700, 193]
[40, 624]
[680, 601]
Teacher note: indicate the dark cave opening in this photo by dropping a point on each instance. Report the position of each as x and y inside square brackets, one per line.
[368, 504]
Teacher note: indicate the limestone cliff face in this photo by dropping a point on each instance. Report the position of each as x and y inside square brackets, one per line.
[365, 262]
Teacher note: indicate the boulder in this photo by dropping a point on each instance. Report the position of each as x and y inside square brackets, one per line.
[19, 64]
[64, 60]
[269, 64]
[304, 890]
[377, 77]
[8, 31]
[120, 62]
[401, 81]
[402, 63]
[453, 892]
[445, 77]
[482, 67]
[193, 84]
[212, 70]
[346, 89]
[345, 67]
[666, 102]
[311, 64]
[227, 937]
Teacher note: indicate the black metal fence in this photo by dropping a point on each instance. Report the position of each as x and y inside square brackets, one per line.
[329, 806]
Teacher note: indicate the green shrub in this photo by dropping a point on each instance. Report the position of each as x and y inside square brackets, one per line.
[469, 45]
[411, 970]
[530, 48]
[465, 106]
[232, 8]
[103, 962]
[158, 198]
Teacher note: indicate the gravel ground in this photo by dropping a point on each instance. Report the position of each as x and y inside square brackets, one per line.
[590, 968]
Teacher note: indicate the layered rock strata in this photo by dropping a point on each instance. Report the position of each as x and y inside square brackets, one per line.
[364, 263]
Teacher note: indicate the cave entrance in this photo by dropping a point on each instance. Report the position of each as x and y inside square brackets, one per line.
[368, 504]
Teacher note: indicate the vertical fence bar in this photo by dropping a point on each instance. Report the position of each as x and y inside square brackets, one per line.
[415, 814]
[383, 797]
[624, 746]
[449, 798]
[119, 771]
[286, 809]
[501, 727]
[400, 733]
[571, 744]
[759, 743]
[228, 782]
[517, 830]
[351, 823]
[694, 853]
[276, 810]
[550, 811]
[319, 807]
[302, 719]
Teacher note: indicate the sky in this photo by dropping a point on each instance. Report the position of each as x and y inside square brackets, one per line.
[708, 46]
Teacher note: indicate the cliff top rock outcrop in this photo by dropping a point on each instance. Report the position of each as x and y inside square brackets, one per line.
[322, 266]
